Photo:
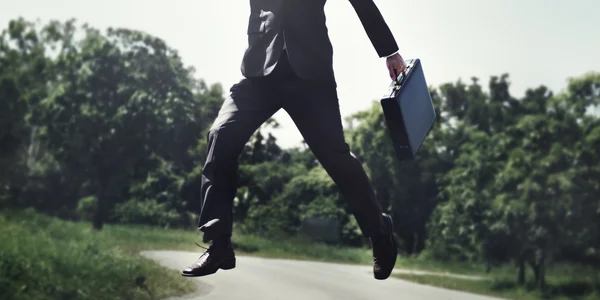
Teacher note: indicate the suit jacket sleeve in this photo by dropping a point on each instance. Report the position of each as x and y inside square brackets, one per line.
[377, 30]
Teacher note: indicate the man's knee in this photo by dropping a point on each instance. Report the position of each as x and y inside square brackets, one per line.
[222, 146]
[221, 156]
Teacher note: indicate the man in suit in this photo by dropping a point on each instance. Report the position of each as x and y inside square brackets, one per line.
[288, 64]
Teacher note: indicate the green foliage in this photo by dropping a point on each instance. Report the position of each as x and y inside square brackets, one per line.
[517, 195]
[145, 212]
[86, 207]
[563, 284]
[111, 126]
[269, 220]
[43, 258]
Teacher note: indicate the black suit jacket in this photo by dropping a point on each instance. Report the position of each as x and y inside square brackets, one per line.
[302, 24]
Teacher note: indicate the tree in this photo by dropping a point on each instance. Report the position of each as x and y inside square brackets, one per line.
[24, 73]
[522, 193]
[121, 97]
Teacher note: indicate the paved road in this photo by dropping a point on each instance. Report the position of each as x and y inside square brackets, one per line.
[270, 279]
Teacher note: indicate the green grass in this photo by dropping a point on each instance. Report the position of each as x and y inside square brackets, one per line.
[44, 258]
[563, 283]
[138, 238]
[417, 263]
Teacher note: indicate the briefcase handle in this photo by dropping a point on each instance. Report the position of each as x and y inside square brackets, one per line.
[396, 84]
[399, 82]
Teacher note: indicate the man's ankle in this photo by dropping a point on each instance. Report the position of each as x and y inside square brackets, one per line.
[222, 241]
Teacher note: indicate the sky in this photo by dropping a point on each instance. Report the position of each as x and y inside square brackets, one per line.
[537, 42]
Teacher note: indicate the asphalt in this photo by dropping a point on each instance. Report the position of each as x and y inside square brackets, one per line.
[269, 279]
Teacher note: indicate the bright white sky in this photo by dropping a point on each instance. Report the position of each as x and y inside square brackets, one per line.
[536, 41]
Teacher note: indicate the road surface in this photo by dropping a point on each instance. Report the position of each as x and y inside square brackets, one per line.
[273, 279]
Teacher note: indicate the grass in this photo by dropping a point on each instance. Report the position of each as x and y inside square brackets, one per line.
[46, 258]
[563, 283]
[416, 263]
[152, 238]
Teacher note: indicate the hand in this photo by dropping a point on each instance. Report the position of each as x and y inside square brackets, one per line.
[395, 62]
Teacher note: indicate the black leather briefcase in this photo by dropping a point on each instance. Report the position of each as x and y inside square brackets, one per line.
[408, 110]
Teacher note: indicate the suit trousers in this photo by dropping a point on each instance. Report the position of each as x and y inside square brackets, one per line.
[314, 108]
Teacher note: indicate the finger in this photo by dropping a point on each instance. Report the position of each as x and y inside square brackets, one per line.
[391, 71]
[401, 68]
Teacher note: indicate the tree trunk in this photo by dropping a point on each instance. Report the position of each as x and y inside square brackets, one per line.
[541, 280]
[539, 269]
[408, 241]
[243, 207]
[100, 212]
[521, 266]
[595, 280]
[536, 270]
[415, 243]
[102, 203]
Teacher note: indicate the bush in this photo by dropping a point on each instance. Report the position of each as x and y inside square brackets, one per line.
[86, 207]
[270, 220]
[148, 212]
[45, 258]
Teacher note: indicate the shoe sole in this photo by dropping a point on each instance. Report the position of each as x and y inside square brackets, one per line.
[390, 222]
[225, 265]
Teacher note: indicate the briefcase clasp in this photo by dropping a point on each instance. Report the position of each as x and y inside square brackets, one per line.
[397, 84]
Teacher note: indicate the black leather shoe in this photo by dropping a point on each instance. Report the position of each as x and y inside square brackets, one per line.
[217, 256]
[385, 250]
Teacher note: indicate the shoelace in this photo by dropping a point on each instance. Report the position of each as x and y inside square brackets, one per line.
[201, 246]
[205, 252]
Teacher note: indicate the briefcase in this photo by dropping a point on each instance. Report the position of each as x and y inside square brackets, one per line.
[408, 111]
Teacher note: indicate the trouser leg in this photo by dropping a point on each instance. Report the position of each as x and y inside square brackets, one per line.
[248, 106]
[314, 109]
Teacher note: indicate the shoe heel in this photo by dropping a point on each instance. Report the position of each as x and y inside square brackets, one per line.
[228, 264]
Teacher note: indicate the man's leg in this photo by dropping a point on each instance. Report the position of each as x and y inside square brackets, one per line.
[315, 110]
[248, 106]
